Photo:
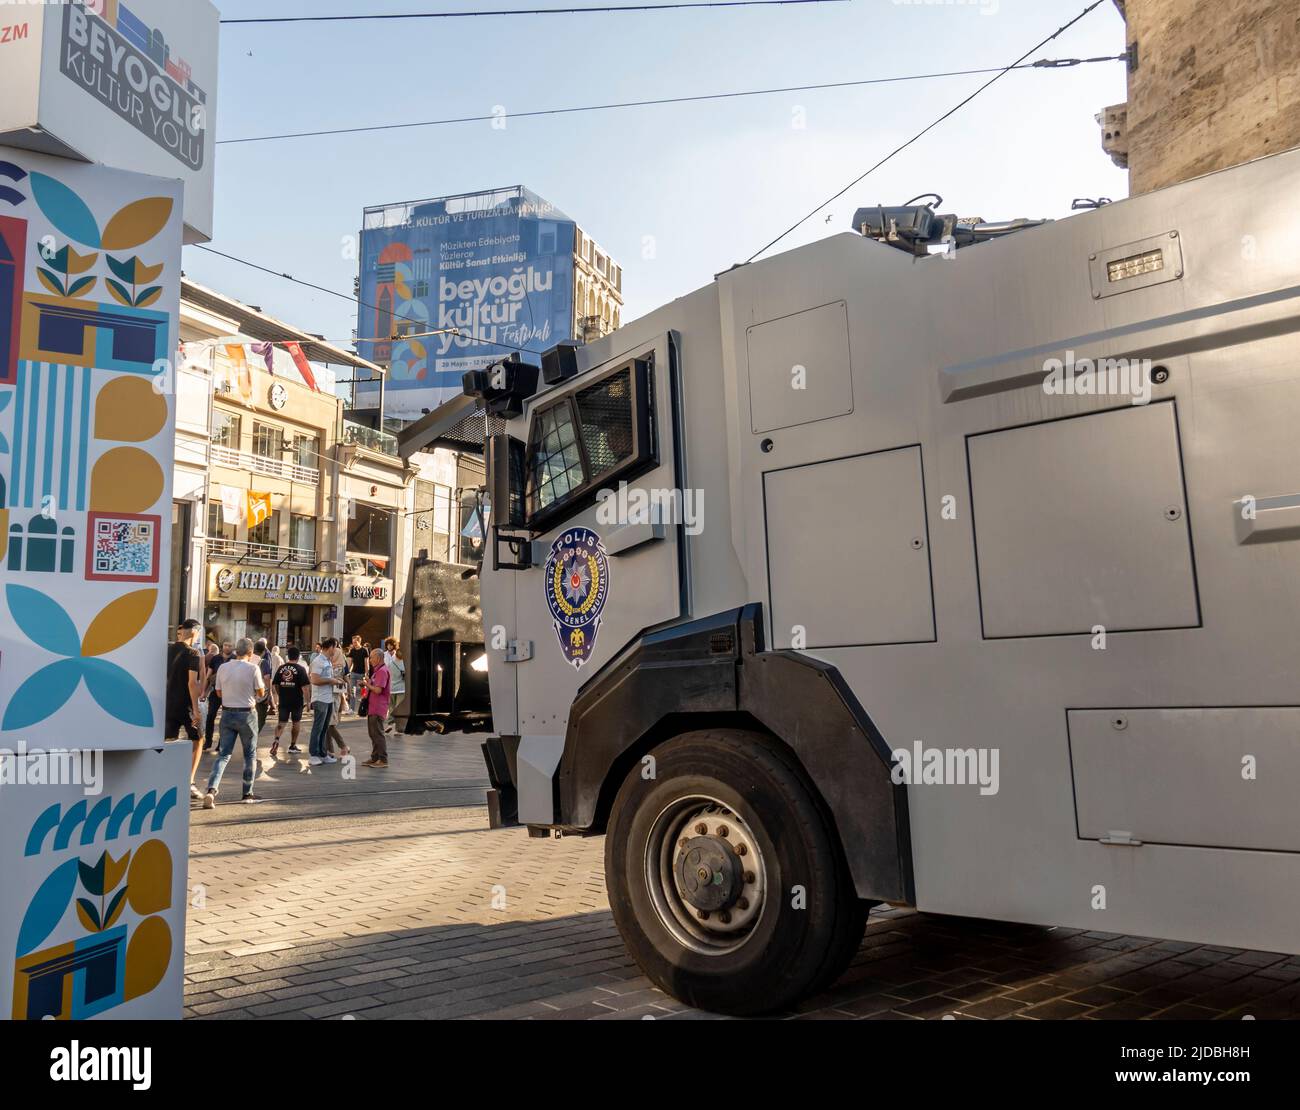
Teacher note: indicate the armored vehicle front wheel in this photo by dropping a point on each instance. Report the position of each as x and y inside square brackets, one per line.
[725, 876]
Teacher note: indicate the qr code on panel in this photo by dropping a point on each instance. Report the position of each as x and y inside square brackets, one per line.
[125, 547]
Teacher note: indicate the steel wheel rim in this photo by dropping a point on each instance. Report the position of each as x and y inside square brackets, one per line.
[732, 843]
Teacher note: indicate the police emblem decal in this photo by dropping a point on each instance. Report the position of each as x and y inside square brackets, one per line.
[577, 585]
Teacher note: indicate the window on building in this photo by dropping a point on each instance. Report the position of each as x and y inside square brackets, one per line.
[217, 527]
[302, 533]
[306, 451]
[267, 440]
[370, 531]
[225, 429]
[442, 523]
[268, 532]
[432, 519]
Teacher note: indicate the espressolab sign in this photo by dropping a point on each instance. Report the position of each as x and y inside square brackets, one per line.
[368, 591]
[125, 83]
[230, 582]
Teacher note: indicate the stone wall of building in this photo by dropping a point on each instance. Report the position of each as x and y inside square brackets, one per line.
[1217, 83]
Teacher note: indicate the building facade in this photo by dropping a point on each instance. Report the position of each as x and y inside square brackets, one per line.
[291, 516]
[1211, 84]
[449, 284]
[597, 289]
[375, 490]
[272, 572]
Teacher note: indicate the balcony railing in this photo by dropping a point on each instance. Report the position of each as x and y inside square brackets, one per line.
[262, 464]
[260, 554]
[383, 442]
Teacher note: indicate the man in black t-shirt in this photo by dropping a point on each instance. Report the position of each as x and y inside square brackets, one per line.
[214, 698]
[184, 671]
[357, 658]
[291, 681]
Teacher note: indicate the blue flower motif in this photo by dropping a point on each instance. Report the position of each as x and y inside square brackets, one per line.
[47, 624]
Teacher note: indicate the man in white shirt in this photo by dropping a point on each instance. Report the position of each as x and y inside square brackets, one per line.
[397, 677]
[239, 684]
[323, 683]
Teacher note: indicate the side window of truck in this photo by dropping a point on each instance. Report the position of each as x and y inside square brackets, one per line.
[588, 440]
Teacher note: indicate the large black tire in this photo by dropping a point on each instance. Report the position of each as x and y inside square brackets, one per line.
[787, 951]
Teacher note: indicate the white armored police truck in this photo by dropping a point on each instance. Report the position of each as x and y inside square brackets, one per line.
[964, 578]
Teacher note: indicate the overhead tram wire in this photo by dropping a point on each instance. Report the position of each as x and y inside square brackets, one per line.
[592, 10]
[1018, 64]
[928, 128]
[1043, 63]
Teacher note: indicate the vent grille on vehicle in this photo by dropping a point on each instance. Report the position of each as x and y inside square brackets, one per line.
[605, 414]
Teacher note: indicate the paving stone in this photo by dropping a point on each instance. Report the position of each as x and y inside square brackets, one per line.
[992, 1007]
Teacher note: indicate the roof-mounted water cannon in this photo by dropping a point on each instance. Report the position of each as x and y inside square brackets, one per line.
[920, 229]
[503, 387]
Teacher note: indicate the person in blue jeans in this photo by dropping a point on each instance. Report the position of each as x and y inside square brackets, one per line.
[323, 682]
[239, 684]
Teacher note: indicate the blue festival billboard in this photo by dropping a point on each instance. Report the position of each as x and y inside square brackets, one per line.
[452, 284]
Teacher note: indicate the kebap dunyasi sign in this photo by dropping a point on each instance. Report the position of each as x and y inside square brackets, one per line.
[230, 582]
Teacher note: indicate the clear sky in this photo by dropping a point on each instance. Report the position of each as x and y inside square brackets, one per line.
[675, 193]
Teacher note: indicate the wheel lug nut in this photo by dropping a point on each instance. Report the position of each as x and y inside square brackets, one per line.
[749, 876]
[742, 850]
[723, 831]
[742, 903]
[725, 917]
[702, 828]
[682, 843]
[704, 915]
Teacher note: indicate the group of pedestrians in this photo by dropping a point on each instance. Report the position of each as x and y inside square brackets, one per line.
[245, 681]
[366, 679]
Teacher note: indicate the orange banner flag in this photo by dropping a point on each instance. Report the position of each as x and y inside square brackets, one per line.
[243, 376]
[259, 508]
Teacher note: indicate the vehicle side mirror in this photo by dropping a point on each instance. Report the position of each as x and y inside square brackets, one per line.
[504, 456]
[505, 471]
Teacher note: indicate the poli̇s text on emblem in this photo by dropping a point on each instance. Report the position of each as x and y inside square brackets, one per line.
[577, 585]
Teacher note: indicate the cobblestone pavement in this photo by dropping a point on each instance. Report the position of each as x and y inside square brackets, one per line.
[421, 911]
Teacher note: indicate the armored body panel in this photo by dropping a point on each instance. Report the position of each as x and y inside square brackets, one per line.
[1081, 589]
